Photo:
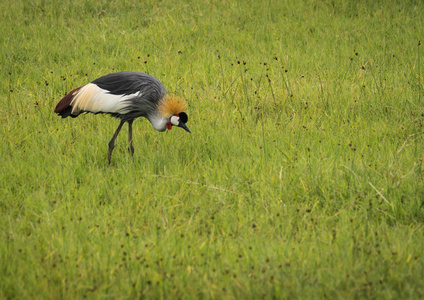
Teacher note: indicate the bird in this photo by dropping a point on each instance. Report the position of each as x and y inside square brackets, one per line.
[126, 96]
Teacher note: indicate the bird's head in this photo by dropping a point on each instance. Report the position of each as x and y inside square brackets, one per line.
[179, 120]
[172, 108]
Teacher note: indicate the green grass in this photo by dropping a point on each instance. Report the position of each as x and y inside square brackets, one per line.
[303, 177]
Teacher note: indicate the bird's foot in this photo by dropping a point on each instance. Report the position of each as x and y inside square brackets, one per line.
[131, 149]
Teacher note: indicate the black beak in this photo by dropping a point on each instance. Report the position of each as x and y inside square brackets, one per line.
[184, 126]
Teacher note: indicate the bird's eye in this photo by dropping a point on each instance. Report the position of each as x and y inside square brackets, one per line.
[183, 117]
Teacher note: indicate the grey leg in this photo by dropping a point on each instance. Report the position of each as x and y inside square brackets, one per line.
[112, 141]
[131, 148]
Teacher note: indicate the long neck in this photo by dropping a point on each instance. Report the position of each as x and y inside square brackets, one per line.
[158, 122]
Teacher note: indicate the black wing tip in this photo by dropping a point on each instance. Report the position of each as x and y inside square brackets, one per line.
[66, 113]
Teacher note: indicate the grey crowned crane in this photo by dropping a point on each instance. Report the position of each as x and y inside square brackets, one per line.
[126, 96]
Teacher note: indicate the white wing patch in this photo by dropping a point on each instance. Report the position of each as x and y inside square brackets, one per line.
[94, 99]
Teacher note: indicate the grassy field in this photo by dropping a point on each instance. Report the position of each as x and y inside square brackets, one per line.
[303, 177]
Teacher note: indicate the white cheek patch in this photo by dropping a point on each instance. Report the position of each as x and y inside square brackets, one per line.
[175, 120]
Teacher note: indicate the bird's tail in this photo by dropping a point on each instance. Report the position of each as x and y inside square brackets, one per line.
[64, 108]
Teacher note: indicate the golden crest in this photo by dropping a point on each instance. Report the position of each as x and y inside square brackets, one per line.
[171, 105]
